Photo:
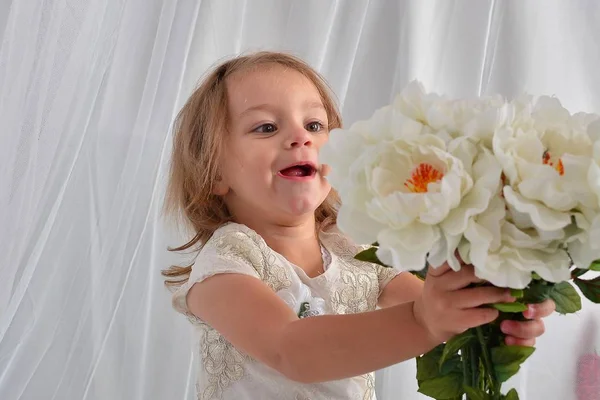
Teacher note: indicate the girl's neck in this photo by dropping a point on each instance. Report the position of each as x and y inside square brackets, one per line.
[298, 243]
[303, 250]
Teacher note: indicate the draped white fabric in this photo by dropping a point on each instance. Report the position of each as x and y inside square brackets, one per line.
[88, 90]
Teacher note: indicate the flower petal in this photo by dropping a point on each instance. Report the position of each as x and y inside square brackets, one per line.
[358, 225]
[444, 250]
[586, 248]
[407, 249]
[543, 217]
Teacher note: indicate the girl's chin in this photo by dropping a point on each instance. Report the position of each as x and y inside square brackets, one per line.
[300, 206]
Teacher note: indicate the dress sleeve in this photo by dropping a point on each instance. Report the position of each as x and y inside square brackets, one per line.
[223, 254]
[385, 276]
[342, 244]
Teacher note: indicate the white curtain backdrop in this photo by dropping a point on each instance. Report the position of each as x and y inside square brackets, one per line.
[88, 90]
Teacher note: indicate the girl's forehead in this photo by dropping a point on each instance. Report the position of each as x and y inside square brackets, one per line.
[270, 84]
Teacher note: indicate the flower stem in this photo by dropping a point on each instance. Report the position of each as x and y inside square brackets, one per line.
[494, 387]
[475, 378]
[465, 357]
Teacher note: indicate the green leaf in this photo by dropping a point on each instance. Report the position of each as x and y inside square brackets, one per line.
[420, 274]
[369, 255]
[566, 298]
[443, 387]
[476, 393]
[517, 293]
[428, 364]
[537, 292]
[595, 265]
[590, 288]
[510, 307]
[454, 345]
[507, 360]
[427, 368]
[512, 395]
[453, 364]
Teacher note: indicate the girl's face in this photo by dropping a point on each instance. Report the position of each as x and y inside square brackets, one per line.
[270, 167]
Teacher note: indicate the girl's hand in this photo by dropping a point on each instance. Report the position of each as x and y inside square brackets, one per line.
[524, 333]
[447, 307]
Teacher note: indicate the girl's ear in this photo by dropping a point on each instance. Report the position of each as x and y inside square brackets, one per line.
[220, 188]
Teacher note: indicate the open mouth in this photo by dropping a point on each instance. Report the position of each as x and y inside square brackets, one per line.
[299, 171]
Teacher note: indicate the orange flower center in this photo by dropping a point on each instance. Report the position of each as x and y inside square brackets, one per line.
[421, 177]
[547, 160]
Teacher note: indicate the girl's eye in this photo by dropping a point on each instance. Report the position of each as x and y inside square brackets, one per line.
[266, 128]
[314, 126]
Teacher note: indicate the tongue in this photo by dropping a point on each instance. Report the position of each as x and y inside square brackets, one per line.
[293, 171]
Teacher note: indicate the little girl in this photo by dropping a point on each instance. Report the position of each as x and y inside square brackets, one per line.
[281, 309]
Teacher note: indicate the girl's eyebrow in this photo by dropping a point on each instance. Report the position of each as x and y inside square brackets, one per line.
[258, 107]
[314, 104]
[269, 107]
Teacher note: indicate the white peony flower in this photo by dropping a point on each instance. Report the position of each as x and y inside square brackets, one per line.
[414, 197]
[545, 155]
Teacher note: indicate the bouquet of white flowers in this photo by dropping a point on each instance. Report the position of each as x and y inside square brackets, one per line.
[513, 188]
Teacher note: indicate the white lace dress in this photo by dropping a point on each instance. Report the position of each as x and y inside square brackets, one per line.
[347, 286]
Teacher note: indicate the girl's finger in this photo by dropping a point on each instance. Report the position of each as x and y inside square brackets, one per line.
[523, 330]
[475, 317]
[459, 258]
[455, 280]
[438, 271]
[541, 310]
[479, 296]
[513, 341]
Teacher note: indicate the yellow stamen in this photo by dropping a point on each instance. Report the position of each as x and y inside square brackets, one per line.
[421, 177]
[547, 160]
[560, 168]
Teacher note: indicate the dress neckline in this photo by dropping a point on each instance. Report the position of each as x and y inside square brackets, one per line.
[326, 253]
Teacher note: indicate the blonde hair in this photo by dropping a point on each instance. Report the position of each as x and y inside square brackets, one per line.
[199, 129]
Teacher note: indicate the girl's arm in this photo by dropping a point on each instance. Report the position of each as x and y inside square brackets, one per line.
[316, 349]
[404, 288]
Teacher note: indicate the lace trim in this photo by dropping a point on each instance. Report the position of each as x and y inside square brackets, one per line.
[358, 293]
[236, 247]
[359, 284]
[346, 250]
[370, 390]
[222, 362]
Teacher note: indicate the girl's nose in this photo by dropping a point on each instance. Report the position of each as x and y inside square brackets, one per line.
[299, 138]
